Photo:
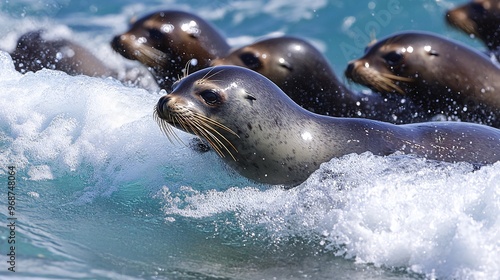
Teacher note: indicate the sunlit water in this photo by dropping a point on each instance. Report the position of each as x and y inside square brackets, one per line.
[101, 193]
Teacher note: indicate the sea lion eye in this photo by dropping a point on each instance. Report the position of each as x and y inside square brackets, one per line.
[478, 7]
[210, 96]
[250, 60]
[155, 34]
[393, 58]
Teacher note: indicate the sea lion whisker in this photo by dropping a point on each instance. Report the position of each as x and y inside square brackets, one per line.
[207, 124]
[385, 86]
[205, 76]
[193, 126]
[185, 71]
[183, 121]
[382, 86]
[389, 85]
[469, 26]
[151, 56]
[208, 131]
[166, 128]
[214, 142]
[389, 80]
[209, 127]
[198, 129]
[377, 81]
[171, 130]
[216, 123]
[186, 68]
[213, 75]
[210, 75]
[189, 125]
[397, 78]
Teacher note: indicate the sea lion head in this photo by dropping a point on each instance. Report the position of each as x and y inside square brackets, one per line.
[293, 64]
[240, 113]
[167, 41]
[438, 74]
[405, 63]
[279, 59]
[35, 50]
[480, 18]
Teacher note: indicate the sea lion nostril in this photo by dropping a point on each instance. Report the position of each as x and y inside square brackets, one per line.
[116, 43]
[349, 70]
[164, 100]
[161, 106]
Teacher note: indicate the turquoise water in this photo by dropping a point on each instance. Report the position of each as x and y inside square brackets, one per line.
[102, 194]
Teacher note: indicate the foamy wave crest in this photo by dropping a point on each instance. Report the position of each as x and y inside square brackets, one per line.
[54, 125]
[399, 212]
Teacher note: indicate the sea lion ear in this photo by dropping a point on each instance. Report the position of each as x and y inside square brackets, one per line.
[250, 97]
[285, 64]
[433, 53]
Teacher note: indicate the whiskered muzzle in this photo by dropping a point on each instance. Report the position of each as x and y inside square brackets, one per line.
[195, 123]
[150, 56]
[379, 81]
[132, 47]
[460, 19]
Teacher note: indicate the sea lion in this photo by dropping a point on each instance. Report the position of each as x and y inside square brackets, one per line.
[265, 136]
[33, 52]
[168, 42]
[303, 72]
[480, 18]
[442, 76]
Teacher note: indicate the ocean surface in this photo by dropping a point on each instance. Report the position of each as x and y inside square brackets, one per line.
[100, 193]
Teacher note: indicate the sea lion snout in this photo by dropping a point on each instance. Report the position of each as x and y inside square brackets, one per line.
[118, 44]
[162, 107]
[349, 70]
[170, 103]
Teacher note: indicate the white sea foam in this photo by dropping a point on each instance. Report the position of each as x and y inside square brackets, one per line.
[437, 219]
[54, 125]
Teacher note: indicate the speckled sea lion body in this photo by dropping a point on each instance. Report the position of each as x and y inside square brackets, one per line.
[265, 136]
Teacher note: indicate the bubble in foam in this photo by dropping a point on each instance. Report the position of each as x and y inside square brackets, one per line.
[40, 172]
[34, 194]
